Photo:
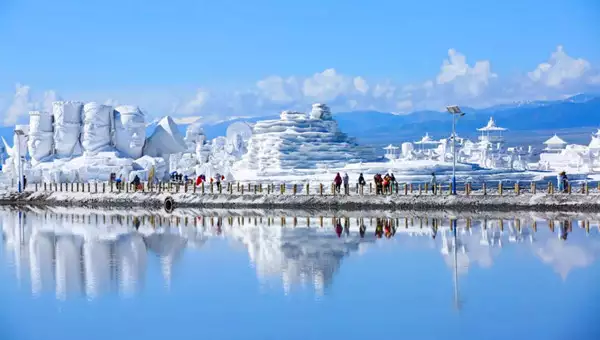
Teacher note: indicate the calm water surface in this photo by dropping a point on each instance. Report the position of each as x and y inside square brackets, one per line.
[76, 274]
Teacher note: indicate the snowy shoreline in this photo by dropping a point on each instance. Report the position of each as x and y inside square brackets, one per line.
[475, 202]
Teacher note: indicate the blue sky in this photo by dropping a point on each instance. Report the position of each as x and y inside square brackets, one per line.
[231, 58]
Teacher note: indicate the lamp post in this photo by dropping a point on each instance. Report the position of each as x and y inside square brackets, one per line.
[19, 133]
[455, 111]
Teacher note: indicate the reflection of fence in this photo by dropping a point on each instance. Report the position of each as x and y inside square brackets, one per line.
[499, 188]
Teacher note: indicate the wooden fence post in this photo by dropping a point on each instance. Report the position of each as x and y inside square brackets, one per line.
[212, 188]
[517, 189]
[321, 188]
[370, 187]
[426, 188]
[420, 191]
[45, 187]
[295, 189]
[96, 187]
[333, 189]
[587, 189]
[307, 189]
[500, 188]
[533, 188]
[484, 189]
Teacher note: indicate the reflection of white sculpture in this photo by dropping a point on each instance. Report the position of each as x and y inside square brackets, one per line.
[130, 131]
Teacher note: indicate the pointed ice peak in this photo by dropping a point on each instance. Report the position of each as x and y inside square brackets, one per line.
[426, 138]
[168, 124]
[555, 140]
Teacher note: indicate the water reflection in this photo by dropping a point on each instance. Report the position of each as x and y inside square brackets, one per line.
[93, 253]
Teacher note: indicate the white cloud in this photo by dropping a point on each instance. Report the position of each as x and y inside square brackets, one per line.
[327, 85]
[560, 69]
[195, 105]
[277, 89]
[20, 106]
[466, 80]
[49, 97]
[456, 82]
[360, 84]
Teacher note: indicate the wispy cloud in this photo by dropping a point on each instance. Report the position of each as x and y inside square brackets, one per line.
[458, 81]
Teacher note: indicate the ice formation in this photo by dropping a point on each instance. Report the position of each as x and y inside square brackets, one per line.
[300, 141]
[561, 156]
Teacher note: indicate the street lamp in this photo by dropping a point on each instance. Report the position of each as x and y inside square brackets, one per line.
[19, 134]
[455, 111]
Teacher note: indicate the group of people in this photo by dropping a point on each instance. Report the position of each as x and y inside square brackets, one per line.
[384, 184]
[338, 181]
[217, 180]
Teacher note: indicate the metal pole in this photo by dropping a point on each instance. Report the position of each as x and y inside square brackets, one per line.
[19, 171]
[453, 154]
[456, 299]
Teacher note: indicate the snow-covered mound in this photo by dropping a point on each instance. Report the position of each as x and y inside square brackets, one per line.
[300, 141]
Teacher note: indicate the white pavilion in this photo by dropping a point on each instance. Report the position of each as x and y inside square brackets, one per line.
[491, 133]
[555, 144]
[391, 152]
[427, 143]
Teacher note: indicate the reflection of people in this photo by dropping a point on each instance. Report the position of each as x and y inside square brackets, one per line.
[564, 230]
[338, 229]
[362, 230]
[433, 232]
[136, 223]
[379, 229]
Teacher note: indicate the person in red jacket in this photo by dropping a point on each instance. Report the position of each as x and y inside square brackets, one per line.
[338, 182]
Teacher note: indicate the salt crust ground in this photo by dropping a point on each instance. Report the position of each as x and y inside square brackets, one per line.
[476, 202]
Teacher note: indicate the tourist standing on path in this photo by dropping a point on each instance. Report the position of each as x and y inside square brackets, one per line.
[338, 182]
[393, 182]
[565, 182]
[361, 182]
[346, 184]
[433, 183]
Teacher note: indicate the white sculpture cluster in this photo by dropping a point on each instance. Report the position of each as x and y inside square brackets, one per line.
[489, 151]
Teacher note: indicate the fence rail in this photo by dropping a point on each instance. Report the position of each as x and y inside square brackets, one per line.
[499, 188]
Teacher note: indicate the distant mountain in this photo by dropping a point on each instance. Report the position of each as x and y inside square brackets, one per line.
[527, 121]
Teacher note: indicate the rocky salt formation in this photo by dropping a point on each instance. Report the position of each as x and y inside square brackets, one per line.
[300, 141]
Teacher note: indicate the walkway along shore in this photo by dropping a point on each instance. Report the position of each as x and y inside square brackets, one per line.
[404, 198]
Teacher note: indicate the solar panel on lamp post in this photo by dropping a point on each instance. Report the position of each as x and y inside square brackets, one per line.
[455, 111]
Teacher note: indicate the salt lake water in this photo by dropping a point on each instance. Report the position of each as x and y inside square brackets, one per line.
[91, 274]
